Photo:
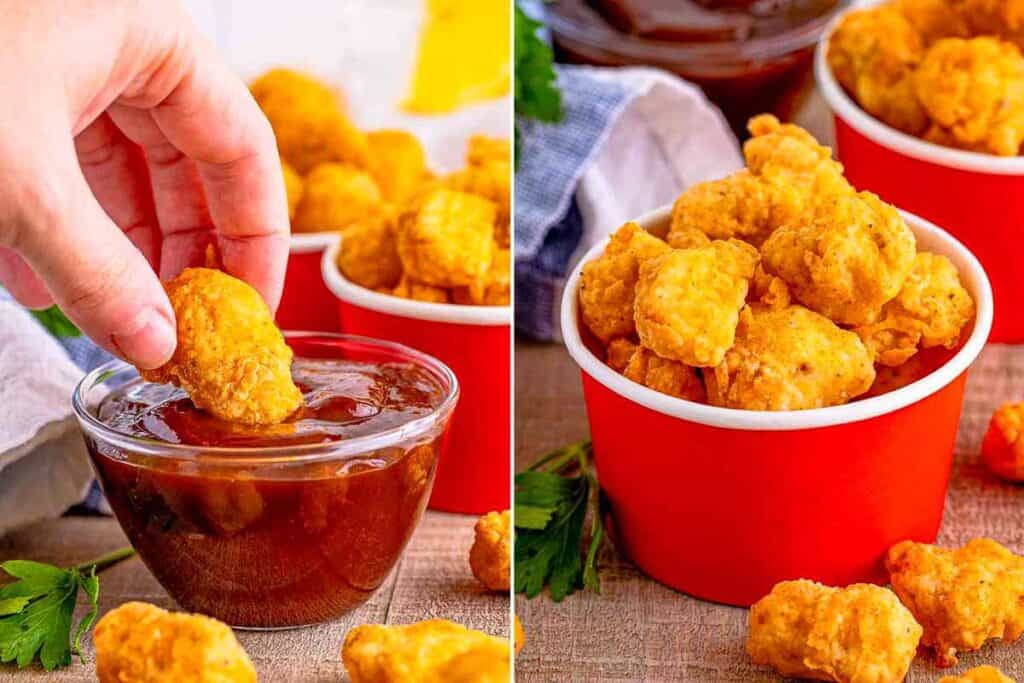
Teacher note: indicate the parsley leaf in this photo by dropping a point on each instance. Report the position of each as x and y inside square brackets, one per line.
[54, 320]
[536, 91]
[551, 503]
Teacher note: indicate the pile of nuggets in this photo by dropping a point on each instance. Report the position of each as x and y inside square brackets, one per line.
[405, 231]
[779, 287]
[950, 71]
[946, 601]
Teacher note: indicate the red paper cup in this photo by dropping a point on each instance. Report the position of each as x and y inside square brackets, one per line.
[475, 342]
[723, 504]
[307, 303]
[979, 198]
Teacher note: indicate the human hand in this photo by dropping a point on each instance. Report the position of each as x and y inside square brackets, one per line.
[126, 147]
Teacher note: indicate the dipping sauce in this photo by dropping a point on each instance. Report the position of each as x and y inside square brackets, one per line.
[272, 538]
[749, 56]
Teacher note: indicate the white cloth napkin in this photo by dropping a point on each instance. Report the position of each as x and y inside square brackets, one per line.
[44, 468]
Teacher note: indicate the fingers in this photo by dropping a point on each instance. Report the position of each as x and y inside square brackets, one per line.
[23, 284]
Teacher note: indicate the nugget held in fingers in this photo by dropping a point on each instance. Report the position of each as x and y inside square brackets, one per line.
[667, 376]
[231, 358]
[688, 301]
[424, 652]
[858, 634]
[789, 359]
[141, 643]
[489, 558]
[962, 597]
[979, 674]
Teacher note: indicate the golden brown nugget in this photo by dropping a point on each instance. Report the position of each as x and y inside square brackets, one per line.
[407, 288]
[420, 653]
[497, 289]
[481, 149]
[449, 241]
[979, 674]
[485, 663]
[141, 643]
[490, 556]
[308, 121]
[789, 359]
[788, 156]
[608, 283]
[933, 19]
[688, 301]
[334, 197]
[292, 187]
[231, 358]
[1003, 18]
[974, 90]
[399, 163]
[667, 376]
[519, 637]
[619, 352]
[890, 378]
[931, 310]
[741, 205]
[769, 290]
[962, 597]
[858, 634]
[848, 261]
[1002, 450]
[369, 251]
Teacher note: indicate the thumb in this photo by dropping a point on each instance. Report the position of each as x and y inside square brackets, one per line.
[94, 273]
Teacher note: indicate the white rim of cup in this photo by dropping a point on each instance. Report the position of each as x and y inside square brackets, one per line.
[929, 237]
[358, 295]
[309, 242]
[850, 112]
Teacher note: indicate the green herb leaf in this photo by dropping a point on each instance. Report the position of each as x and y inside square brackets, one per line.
[536, 92]
[54, 320]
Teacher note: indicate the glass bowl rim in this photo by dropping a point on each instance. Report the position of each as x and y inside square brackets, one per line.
[250, 456]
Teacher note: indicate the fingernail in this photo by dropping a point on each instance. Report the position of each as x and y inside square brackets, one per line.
[149, 342]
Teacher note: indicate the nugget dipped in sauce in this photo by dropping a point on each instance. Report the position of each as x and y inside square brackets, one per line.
[962, 597]
[857, 634]
[1002, 450]
[231, 358]
[490, 556]
[424, 652]
[141, 643]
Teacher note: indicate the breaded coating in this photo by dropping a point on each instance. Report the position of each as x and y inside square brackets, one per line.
[962, 597]
[667, 376]
[449, 241]
[481, 149]
[519, 637]
[789, 359]
[890, 378]
[491, 180]
[682, 236]
[979, 674]
[608, 283]
[407, 288]
[769, 290]
[141, 643]
[485, 663]
[423, 652]
[293, 187]
[334, 197]
[857, 634]
[788, 156]
[1003, 447]
[848, 261]
[369, 254]
[931, 310]
[399, 163]
[490, 555]
[933, 19]
[974, 90]
[308, 121]
[497, 290]
[873, 53]
[688, 301]
[231, 358]
[741, 205]
[1002, 18]
[619, 352]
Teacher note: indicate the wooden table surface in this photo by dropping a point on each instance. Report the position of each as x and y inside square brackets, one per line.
[639, 630]
[432, 579]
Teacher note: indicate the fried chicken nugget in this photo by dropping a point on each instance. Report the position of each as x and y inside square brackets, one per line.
[741, 205]
[292, 187]
[769, 290]
[308, 121]
[334, 197]
[449, 241]
[1002, 450]
[979, 674]
[482, 149]
[399, 163]
[857, 634]
[423, 652]
[608, 283]
[231, 358]
[369, 251]
[933, 19]
[619, 353]
[407, 288]
[688, 301]
[931, 310]
[141, 643]
[489, 558]
[667, 376]
[789, 359]
[974, 90]
[848, 261]
[491, 180]
[1003, 18]
[786, 155]
[890, 378]
[497, 290]
[962, 597]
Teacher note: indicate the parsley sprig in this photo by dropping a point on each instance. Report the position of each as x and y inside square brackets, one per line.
[536, 92]
[36, 610]
[54, 320]
[551, 502]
